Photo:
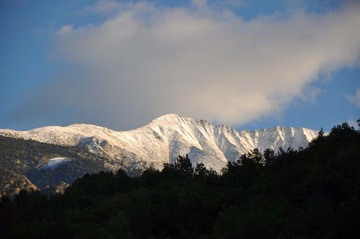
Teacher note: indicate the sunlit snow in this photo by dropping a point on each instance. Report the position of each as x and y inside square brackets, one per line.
[166, 137]
[55, 162]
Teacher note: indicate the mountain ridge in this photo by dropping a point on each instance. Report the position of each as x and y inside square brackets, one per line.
[166, 137]
[50, 158]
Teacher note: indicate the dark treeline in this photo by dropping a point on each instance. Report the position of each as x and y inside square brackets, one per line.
[309, 193]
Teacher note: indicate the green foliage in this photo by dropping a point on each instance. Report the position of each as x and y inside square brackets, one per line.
[310, 193]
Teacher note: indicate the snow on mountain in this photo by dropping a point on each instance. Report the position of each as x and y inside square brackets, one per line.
[55, 162]
[168, 136]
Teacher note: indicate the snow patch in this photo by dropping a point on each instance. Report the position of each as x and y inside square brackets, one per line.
[55, 162]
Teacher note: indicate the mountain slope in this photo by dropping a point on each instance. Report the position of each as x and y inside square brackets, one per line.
[28, 164]
[166, 137]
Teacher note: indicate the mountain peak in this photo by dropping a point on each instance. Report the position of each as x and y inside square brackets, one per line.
[167, 118]
[168, 136]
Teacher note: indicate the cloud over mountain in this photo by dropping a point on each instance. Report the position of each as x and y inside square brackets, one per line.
[145, 60]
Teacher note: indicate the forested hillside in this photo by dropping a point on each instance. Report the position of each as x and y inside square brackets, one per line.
[23, 162]
[309, 193]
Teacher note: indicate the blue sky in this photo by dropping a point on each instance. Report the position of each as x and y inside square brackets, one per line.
[248, 64]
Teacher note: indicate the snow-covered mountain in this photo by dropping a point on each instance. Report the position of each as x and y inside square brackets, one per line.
[166, 137]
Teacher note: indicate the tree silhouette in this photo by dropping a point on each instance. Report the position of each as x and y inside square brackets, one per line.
[183, 165]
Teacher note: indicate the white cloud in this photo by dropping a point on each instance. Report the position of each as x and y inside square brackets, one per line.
[147, 61]
[355, 99]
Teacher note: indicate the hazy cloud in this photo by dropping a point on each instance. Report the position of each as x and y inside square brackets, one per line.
[64, 29]
[353, 123]
[146, 61]
[199, 3]
[355, 99]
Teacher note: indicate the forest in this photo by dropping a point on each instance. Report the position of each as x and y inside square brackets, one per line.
[307, 193]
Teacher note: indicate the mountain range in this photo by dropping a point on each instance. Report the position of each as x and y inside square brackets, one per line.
[161, 141]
